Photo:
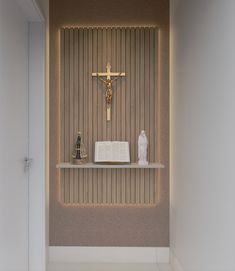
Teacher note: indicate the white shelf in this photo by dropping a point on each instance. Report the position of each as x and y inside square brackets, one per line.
[93, 165]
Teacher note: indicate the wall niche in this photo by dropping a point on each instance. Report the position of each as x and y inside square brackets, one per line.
[135, 107]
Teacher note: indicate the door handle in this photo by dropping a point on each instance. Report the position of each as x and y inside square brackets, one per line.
[27, 163]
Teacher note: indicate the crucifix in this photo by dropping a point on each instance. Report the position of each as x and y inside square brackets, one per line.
[108, 84]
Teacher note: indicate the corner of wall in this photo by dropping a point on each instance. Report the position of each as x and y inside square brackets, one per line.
[175, 264]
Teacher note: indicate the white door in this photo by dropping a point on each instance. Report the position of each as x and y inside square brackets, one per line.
[13, 138]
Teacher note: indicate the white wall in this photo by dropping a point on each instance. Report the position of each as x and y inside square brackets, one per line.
[22, 61]
[203, 134]
[13, 137]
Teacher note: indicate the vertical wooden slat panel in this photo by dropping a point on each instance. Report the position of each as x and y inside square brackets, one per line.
[83, 107]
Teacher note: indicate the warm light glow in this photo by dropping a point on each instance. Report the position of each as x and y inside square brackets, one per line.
[106, 26]
[106, 205]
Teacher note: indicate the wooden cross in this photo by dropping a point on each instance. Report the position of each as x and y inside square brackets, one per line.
[108, 83]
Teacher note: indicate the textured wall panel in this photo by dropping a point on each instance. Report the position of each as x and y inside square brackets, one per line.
[134, 108]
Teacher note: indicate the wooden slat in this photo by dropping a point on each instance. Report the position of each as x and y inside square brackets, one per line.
[94, 99]
[152, 106]
[146, 105]
[91, 188]
[66, 114]
[81, 107]
[142, 104]
[123, 109]
[132, 51]
[71, 110]
[132, 132]
[76, 113]
[109, 124]
[114, 111]
[128, 108]
[137, 109]
[118, 108]
[62, 110]
[157, 94]
[102, 186]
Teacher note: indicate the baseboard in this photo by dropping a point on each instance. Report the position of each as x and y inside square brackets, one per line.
[175, 264]
[109, 254]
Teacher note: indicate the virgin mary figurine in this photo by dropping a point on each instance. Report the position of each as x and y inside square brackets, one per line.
[142, 149]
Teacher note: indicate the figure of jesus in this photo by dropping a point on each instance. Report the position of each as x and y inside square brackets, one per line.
[109, 91]
[142, 149]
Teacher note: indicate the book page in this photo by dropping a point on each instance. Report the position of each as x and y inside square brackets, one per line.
[103, 151]
[112, 151]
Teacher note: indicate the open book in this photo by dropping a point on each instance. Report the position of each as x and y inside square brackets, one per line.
[112, 152]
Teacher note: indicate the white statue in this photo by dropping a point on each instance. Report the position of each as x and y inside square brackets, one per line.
[142, 149]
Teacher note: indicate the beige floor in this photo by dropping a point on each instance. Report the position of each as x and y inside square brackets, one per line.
[108, 267]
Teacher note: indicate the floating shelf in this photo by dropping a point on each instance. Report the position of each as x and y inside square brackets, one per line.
[93, 165]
